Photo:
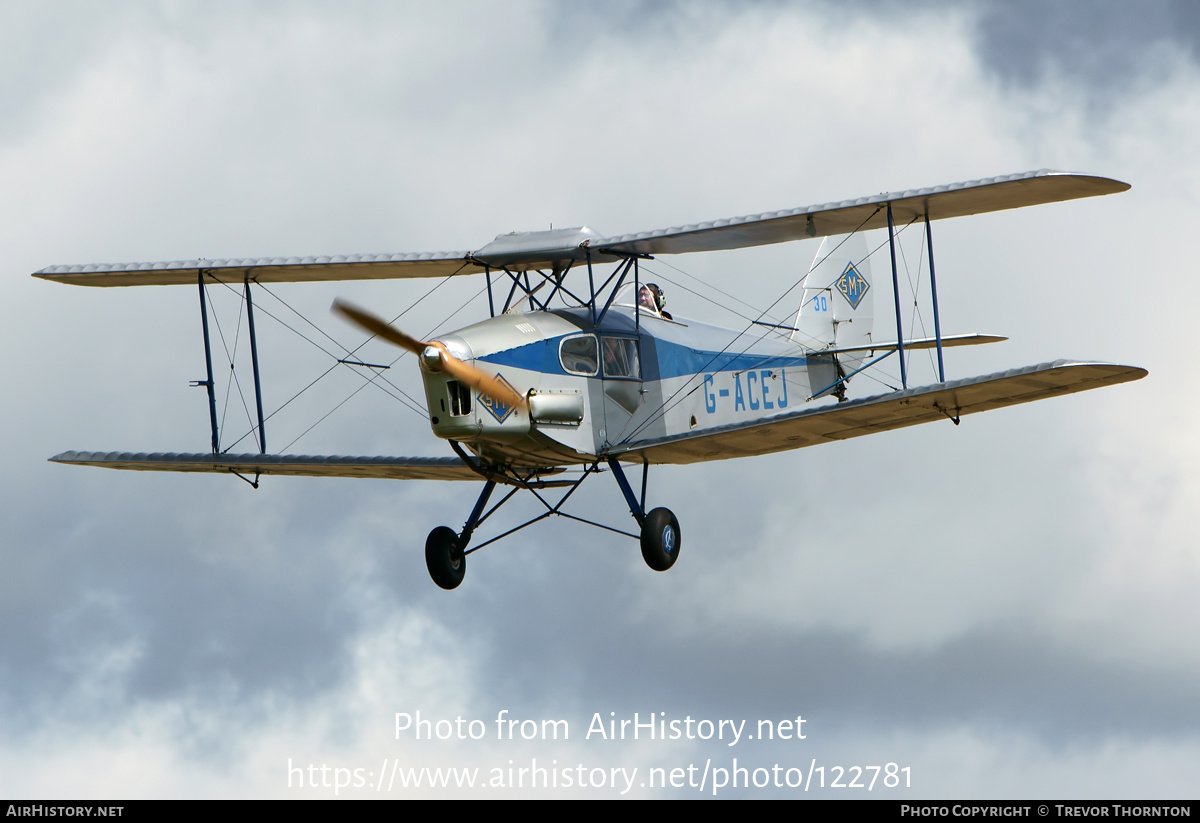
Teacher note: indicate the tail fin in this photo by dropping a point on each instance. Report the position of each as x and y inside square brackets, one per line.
[837, 310]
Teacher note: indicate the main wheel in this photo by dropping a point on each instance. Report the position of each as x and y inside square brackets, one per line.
[660, 539]
[444, 558]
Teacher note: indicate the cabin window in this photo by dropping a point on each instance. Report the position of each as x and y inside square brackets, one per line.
[579, 355]
[460, 398]
[621, 358]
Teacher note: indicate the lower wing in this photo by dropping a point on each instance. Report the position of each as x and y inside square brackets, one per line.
[884, 412]
[400, 468]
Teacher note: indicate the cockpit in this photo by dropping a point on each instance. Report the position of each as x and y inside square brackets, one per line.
[650, 299]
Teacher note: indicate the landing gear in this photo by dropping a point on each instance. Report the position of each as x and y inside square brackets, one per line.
[446, 552]
[660, 530]
[444, 558]
[660, 539]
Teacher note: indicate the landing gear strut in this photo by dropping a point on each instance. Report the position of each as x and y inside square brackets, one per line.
[660, 529]
[445, 551]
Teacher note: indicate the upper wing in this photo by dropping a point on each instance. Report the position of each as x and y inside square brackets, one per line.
[1011, 191]
[402, 468]
[889, 411]
[267, 269]
[559, 248]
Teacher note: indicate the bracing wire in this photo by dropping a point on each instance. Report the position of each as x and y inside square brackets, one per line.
[404, 398]
[378, 375]
[232, 371]
[680, 395]
[917, 316]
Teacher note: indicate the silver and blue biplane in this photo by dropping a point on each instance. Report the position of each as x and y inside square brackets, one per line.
[581, 368]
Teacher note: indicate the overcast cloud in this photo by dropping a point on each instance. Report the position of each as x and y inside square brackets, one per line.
[1007, 607]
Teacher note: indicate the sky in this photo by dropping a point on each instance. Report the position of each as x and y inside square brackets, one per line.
[1000, 609]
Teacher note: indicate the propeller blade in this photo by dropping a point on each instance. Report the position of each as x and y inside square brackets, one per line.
[477, 379]
[378, 327]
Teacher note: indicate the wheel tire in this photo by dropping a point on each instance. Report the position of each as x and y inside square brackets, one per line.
[444, 559]
[661, 539]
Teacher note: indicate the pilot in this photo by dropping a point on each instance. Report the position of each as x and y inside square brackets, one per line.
[650, 296]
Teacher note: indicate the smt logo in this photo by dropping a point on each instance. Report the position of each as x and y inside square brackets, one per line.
[852, 285]
[498, 408]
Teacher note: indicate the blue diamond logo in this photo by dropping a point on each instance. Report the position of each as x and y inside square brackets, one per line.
[852, 285]
[498, 410]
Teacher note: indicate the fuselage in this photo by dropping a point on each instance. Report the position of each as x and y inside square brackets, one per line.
[600, 389]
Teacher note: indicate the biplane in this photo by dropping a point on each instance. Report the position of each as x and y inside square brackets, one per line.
[580, 369]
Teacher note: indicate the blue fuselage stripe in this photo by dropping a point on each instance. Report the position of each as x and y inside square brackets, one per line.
[661, 359]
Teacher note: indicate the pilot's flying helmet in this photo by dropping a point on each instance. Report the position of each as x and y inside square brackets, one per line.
[660, 299]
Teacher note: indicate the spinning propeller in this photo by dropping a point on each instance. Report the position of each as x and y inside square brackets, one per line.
[435, 356]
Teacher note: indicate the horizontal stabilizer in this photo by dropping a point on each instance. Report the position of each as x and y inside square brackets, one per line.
[921, 343]
[397, 468]
[869, 415]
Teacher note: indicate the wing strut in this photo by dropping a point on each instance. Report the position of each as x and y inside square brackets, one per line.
[937, 323]
[262, 432]
[208, 382]
[637, 312]
[591, 285]
[896, 294]
[623, 270]
[212, 397]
